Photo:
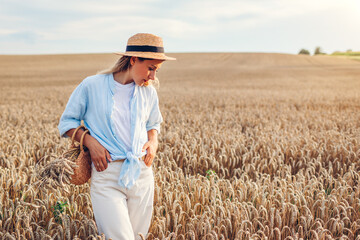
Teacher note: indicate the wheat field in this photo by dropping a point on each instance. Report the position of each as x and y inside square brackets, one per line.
[253, 146]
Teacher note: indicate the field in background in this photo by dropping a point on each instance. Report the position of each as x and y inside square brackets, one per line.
[252, 146]
[348, 54]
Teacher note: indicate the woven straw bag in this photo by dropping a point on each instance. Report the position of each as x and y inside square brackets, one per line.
[82, 173]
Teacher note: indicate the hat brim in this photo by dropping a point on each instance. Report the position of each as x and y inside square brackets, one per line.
[158, 56]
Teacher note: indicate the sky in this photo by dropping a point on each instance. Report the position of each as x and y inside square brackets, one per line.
[89, 26]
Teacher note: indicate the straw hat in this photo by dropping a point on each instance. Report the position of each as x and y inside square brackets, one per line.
[145, 45]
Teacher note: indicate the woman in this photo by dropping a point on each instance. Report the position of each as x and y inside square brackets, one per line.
[120, 108]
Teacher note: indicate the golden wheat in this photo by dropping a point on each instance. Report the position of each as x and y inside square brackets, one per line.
[280, 134]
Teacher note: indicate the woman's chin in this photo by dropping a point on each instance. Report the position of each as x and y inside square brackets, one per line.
[146, 83]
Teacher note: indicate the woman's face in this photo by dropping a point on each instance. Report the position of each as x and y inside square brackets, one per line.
[143, 71]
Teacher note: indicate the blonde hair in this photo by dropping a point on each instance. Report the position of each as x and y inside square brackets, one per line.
[123, 64]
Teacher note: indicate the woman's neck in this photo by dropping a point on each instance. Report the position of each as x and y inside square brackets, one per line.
[123, 77]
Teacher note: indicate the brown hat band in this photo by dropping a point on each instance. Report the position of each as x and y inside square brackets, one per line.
[144, 48]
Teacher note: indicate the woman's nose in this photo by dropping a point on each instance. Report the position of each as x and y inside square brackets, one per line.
[152, 75]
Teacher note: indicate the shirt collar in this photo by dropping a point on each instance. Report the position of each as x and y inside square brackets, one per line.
[112, 85]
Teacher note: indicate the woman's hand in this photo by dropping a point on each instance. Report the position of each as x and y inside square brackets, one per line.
[151, 146]
[99, 154]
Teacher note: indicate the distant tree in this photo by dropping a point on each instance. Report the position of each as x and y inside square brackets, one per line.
[318, 51]
[304, 51]
[349, 51]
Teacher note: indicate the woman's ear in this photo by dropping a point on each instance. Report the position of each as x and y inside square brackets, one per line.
[133, 60]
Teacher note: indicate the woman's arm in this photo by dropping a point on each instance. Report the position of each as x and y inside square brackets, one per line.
[151, 146]
[74, 111]
[153, 129]
[71, 118]
[99, 154]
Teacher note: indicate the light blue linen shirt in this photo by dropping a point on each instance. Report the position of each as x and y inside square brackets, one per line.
[92, 101]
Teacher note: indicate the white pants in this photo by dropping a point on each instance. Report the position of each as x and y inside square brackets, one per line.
[122, 213]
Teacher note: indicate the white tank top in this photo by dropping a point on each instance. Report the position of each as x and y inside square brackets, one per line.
[121, 112]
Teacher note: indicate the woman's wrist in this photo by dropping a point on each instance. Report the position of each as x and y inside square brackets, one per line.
[153, 135]
[154, 141]
[88, 140]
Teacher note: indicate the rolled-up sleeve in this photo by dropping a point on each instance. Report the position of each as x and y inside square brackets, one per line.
[74, 111]
[155, 117]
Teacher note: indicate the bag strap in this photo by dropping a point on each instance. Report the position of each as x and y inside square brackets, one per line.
[74, 133]
[82, 140]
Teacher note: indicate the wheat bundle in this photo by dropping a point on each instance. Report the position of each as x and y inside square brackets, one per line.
[57, 172]
[74, 166]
